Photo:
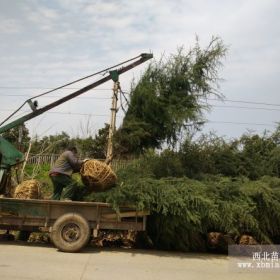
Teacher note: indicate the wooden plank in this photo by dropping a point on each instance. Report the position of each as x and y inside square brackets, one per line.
[125, 214]
[54, 202]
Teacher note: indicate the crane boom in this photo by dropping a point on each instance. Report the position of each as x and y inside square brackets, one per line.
[143, 57]
[10, 156]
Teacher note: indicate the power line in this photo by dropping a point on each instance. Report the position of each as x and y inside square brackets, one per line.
[45, 88]
[244, 107]
[107, 115]
[107, 98]
[81, 114]
[107, 89]
[243, 101]
[53, 96]
[64, 113]
[240, 123]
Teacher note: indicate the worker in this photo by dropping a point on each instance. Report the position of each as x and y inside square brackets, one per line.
[64, 187]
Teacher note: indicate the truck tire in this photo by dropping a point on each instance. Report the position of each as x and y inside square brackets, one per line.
[70, 232]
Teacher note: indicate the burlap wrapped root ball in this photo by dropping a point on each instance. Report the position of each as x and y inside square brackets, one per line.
[29, 189]
[97, 176]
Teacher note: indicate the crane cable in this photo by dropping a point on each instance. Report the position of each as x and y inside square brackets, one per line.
[104, 71]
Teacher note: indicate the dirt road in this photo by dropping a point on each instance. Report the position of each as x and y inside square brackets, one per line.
[26, 261]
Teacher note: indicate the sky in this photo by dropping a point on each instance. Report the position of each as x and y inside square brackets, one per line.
[46, 44]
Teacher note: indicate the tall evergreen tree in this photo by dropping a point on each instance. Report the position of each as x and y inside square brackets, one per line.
[168, 97]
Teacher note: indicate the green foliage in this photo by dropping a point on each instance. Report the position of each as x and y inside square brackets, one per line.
[166, 164]
[274, 161]
[267, 209]
[133, 134]
[168, 96]
[52, 144]
[184, 210]
[87, 147]
[255, 154]
[252, 155]
[98, 147]
[40, 173]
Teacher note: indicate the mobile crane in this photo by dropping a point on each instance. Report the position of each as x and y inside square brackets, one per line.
[70, 224]
[10, 156]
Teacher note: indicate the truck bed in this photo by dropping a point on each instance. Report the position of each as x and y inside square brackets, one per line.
[40, 215]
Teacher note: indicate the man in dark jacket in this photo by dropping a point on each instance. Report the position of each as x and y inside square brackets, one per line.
[64, 187]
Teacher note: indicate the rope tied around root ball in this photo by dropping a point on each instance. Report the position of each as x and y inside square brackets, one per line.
[29, 189]
[97, 175]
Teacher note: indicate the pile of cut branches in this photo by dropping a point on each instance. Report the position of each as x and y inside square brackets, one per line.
[184, 211]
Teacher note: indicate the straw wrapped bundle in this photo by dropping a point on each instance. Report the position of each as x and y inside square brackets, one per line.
[97, 176]
[247, 240]
[219, 242]
[113, 238]
[29, 189]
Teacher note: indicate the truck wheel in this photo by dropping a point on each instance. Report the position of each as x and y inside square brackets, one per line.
[70, 232]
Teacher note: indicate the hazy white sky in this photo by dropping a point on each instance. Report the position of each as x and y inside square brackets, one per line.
[45, 44]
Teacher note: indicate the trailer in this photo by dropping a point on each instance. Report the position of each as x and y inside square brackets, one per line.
[70, 224]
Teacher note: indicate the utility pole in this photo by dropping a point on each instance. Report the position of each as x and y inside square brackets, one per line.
[112, 127]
